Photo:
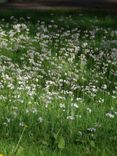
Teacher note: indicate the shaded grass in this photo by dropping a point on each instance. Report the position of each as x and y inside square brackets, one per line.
[85, 19]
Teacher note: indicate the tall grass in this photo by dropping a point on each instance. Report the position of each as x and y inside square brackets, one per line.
[58, 83]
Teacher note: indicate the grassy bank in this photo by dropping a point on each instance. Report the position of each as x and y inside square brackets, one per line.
[58, 83]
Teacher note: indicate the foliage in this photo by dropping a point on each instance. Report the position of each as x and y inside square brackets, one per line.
[58, 82]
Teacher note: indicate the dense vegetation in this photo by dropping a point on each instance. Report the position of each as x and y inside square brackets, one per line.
[58, 88]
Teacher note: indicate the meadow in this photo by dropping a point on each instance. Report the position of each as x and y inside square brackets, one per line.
[58, 83]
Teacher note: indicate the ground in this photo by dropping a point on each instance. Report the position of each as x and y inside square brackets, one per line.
[58, 88]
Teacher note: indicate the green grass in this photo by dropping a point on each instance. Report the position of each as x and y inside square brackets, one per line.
[42, 150]
[58, 85]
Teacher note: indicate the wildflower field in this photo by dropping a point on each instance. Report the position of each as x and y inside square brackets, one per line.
[58, 83]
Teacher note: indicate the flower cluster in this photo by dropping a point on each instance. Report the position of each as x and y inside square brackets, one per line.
[49, 73]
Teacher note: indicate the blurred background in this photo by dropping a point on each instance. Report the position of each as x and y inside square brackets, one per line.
[87, 1]
[111, 4]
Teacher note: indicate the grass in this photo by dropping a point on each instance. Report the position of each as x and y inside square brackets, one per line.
[58, 83]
